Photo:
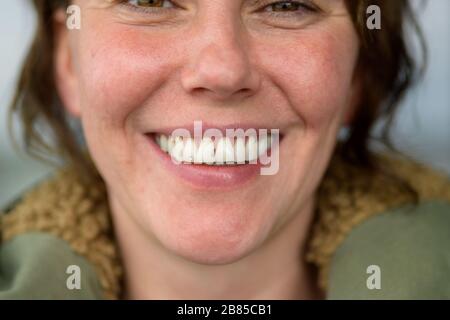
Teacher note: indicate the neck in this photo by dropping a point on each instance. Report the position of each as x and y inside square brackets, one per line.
[275, 270]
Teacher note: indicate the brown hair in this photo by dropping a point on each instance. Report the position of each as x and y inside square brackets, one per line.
[388, 71]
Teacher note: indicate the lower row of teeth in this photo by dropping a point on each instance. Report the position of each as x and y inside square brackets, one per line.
[222, 151]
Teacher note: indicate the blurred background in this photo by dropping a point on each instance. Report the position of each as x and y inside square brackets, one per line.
[422, 129]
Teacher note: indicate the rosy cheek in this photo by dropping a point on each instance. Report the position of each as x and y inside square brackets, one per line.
[120, 68]
[315, 74]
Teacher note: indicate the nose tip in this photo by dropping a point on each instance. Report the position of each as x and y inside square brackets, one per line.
[221, 73]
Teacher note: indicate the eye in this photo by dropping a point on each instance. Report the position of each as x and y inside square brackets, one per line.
[284, 6]
[290, 7]
[288, 14]
[148, 5]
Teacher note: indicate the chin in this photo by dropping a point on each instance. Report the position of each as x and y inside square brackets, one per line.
[212, 237]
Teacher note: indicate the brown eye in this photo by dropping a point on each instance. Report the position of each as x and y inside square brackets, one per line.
[150, 3]
[285, 6]
[291, 7]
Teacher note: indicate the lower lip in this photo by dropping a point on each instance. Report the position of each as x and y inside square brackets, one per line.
[208, 176]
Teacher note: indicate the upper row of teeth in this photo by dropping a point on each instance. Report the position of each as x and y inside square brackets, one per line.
[221, 151]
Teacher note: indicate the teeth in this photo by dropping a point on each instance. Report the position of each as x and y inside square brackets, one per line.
[177, 149]
[189, 151]
[229, 151]
[239, 148]
[223, 151]
[206, 151]
[220, 151]
[170, 144]
[251, 149]
[263, 145]
[163, 142]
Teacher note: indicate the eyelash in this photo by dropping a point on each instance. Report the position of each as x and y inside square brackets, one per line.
[302, 6]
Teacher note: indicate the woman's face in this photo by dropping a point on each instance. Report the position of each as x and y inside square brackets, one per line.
[139, 68]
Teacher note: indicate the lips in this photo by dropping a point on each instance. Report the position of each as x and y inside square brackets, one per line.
[209, 163]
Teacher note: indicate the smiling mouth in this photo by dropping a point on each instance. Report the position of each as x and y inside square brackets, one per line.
[222, 151]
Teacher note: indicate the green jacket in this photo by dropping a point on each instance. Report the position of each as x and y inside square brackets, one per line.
[370, 239]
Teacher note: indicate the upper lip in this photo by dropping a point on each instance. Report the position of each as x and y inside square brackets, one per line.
[205, 126]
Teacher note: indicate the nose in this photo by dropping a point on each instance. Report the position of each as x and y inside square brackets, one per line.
[218, 64]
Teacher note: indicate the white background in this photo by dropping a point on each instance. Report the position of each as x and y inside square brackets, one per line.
[423, 129]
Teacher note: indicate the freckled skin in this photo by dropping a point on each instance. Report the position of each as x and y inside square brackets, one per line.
[126, 80]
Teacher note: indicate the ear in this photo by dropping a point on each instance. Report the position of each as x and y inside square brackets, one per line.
[66, 81]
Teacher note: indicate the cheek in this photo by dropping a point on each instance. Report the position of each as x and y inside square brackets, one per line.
[315, 71]
[119, 67]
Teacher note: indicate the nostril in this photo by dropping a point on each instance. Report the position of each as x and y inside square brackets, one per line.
[244, 91]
